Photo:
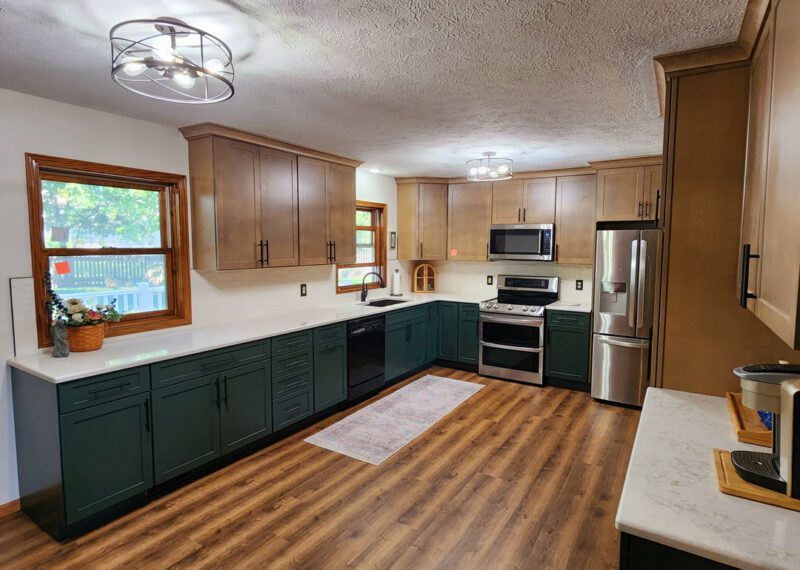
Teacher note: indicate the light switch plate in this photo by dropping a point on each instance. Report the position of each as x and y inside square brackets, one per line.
[303, 290]
[489, 279]
[579, 284]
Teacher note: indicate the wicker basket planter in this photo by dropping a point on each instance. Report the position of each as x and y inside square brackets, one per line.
[86, 338]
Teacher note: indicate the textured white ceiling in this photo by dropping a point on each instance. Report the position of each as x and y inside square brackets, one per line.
[411, 86]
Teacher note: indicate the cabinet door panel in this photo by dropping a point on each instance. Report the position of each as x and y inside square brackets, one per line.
[567, 353]
[539, 206]
[415, 346]
[342, 212]
[448, 331]
[107, 455]
[396, 356]
[185, 426]
[330, 375]
[653, 196]
[575, 226]
[507, 201]
[468, 333]
[432, 348]
[312, 180]
[236, 189]
[468, 218]
[279, 208]
[245, 406]
[433, 221]
[620, 194]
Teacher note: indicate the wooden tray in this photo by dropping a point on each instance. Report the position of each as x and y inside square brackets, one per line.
[746, 422]
[731, 484]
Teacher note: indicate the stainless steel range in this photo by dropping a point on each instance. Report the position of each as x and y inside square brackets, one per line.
[512, 328]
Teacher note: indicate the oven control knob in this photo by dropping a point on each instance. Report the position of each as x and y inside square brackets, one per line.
[524, 309]
[511, 307]
[496, 306]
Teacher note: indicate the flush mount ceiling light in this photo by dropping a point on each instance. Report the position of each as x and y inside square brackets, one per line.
[169, 60]
[489, 168]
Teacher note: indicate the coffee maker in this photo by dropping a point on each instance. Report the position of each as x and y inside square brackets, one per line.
[773, 388]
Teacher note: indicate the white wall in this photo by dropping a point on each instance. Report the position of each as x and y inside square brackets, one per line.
[33, 124]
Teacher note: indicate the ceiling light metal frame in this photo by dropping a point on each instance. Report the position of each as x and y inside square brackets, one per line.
[190, 53]
[491, 168]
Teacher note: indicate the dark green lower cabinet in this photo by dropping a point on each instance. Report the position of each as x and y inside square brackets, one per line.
[245, 405]
[106, 455]
[330, 375]
[432, 333]
[185, 426]
[292, 408]
[468, 333]
[406, 345]
[448, 331]
[396, 351]
[567, 347]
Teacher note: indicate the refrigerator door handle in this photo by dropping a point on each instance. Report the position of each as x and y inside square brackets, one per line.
[622, 343]
[642, 282]
[632, 285]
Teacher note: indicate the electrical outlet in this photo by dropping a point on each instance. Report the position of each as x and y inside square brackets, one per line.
[489, 279]
[303, 290]
[579, 284]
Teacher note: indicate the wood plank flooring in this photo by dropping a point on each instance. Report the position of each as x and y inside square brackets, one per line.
[516, 477]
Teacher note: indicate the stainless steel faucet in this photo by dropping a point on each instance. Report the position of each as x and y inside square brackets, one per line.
[364, 284]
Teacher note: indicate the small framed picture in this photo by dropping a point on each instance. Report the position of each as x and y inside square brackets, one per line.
[392, 240]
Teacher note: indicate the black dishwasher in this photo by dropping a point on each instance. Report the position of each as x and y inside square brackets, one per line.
[366, 355]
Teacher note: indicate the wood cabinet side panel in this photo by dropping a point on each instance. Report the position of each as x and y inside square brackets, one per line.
[201, 200]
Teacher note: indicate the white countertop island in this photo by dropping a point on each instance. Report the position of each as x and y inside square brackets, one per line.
[671, 495]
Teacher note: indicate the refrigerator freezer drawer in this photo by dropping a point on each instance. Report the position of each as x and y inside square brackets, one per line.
[620, 369]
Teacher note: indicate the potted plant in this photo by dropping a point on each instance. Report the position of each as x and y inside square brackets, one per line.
[86, 327]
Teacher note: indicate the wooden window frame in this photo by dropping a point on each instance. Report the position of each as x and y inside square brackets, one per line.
[174, 238]
[380, 248]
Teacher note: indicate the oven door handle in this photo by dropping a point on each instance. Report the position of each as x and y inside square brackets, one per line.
[523, 321]
[507, 347]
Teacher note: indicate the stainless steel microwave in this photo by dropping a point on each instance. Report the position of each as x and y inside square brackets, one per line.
[532, 242]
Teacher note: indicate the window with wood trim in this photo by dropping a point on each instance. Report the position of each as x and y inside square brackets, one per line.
[370, 249]
[107, 232]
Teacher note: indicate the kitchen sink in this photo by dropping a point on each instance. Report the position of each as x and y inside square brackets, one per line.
[385, 302]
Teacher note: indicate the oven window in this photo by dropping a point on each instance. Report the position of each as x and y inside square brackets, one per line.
[511, 359]
[510, 335]
[516, 241]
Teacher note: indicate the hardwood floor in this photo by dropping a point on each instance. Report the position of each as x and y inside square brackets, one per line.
[516, 477]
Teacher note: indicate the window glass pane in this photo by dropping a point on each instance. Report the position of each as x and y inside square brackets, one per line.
[88, 216]
[354, 275]
[365, 237]
[137, 282]
[364, 217]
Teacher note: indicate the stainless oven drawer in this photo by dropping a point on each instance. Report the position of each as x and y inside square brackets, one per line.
[523, 364]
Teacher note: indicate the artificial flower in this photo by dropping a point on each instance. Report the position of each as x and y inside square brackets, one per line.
[77, 317]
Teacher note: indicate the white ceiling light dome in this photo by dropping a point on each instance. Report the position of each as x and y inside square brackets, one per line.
[489, 168]
[169, 60]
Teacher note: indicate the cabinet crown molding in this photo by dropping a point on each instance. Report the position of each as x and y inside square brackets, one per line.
[201, 130]
[627, 162]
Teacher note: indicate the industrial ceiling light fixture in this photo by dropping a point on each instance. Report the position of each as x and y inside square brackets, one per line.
[489, 168]
[169, 60]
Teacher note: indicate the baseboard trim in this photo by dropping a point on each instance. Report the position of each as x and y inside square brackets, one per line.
[9, 508]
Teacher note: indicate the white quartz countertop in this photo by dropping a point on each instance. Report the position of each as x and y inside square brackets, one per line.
[570, 306]
[671, 494]
[145, 348]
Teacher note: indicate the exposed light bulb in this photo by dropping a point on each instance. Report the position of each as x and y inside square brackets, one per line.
[183, 79]
[502, 169]
[473, 171]
[133, 66]
[214, 66]
[162, 48]
[482, 170]
[493, 174]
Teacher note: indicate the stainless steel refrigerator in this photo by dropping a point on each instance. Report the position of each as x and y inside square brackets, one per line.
[627, 268]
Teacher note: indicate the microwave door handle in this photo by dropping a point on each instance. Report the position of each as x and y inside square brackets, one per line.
[642, 283]
[632, 284]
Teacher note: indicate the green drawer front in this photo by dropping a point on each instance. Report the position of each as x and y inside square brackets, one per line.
[468, 311]
[290, 363]
[292, 342]
[292, 408]
[568, 318]
[329, 333]
[292, 382]
[188, 367]
[89, 392]
[406, 315]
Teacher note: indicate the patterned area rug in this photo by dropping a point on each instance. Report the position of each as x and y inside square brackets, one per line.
[375, 433]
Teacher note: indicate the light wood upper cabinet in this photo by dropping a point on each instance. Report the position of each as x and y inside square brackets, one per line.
[342, 213]
[620, 194]
[469, 216]
[539, 206]
[772, 200]
[508, 197]
[575, 219]
[652, 192]
[422, 221]
[313, 178]
[279, 208]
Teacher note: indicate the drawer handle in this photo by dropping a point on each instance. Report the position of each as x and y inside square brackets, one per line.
[215, 363]
[293, 384]
[294, 408]
[295, 343]
[295, 364]
[94, 393]
[330, 348]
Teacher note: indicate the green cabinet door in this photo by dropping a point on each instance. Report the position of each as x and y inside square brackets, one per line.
[330, 375]
[448, 331]
[396, 357]
[245, 405]
[468, 333]
[432, 333]
[185, 426]
[106, 455]
[416, 345]
[567, 353]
